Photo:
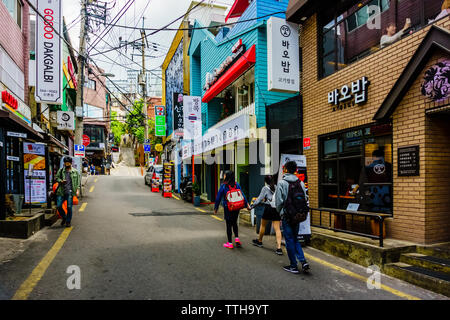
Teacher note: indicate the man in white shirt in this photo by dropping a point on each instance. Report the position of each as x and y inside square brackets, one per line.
[391, 36]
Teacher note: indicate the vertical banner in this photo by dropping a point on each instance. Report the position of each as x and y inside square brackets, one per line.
[177, 115]
[36, 187]
[283, 62]
[160, 122]
[192, 117]
[305, 226]
[48, 52]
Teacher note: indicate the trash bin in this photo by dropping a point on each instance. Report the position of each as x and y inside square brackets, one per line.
[259, 211]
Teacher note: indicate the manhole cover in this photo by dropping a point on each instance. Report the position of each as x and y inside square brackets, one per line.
[165, 213]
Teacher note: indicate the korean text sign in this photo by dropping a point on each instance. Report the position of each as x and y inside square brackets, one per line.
[49, 52]
[283, 62]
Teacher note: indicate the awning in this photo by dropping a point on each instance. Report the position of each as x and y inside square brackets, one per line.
[234, 72]
[51, 139]
[7, 116]
[237, 9]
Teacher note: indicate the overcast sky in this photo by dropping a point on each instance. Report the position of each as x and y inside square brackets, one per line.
[157, 14]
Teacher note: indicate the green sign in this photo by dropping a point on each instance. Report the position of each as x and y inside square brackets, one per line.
[160, 120]
[160, 131]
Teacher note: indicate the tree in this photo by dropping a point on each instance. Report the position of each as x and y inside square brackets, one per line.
[117, 128]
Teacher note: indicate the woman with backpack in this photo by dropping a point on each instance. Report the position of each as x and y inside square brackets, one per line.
[270, 213]
[233, 200]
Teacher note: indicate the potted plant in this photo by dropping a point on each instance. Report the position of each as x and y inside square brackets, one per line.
[197, 193]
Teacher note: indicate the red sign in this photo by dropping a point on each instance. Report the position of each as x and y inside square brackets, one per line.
[10, 100]
[71, 72]
[306, 143]
[86, 140]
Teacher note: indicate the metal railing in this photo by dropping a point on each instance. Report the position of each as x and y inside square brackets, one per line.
[373, 215]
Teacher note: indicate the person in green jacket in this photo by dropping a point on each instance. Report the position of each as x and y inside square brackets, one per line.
[69, 182]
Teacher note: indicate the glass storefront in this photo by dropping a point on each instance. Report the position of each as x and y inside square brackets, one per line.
[356, 167]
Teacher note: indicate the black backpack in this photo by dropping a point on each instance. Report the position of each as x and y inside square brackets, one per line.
[296, 206]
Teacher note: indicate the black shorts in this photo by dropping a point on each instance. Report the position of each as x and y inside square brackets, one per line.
[271, 214]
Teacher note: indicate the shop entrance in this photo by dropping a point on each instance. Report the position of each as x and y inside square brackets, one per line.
[438, 177]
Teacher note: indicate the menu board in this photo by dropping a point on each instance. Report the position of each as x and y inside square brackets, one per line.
[408, 161]
[167, 178]
[36, 187]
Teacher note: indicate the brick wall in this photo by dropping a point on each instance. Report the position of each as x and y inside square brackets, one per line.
[409, 124]
[15, 40]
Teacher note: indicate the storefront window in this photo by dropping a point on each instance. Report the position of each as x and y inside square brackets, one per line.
[346, 33]
[356, 167]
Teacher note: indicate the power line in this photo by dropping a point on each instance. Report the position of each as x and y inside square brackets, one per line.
[156, 31]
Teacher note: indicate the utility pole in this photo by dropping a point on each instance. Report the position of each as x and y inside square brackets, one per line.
[144, 84]
[80, 76]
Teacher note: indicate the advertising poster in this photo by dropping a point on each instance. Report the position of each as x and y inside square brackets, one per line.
[36, 187]
[167, 179]
[305, 227]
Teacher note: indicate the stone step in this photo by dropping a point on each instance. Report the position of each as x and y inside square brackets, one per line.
[426, 262]
[431, 280]
[438, 252]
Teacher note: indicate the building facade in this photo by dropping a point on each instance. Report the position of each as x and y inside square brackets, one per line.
[230, 71]
[377, 118]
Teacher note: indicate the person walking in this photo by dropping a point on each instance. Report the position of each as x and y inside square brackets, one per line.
[108, 168]
[233, 200]
[270, 213]
[290, 230]
[92, 167]
[68, 183]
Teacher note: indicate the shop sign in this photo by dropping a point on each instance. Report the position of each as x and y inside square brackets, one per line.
[12, 158]
[306, 143]
[233, 130]
[66, 120]
[14, 105]
[16, 134]
[211, 77]
[34, 148]
[160, 121]
[349, 95]
[9, 99]
[48, 52]
[186, 150]
[192, 114]
[436, 82]
[177, 114]
[408, 161]
[283, 62]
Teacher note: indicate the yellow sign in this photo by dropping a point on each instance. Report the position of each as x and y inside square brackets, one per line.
[159, 147]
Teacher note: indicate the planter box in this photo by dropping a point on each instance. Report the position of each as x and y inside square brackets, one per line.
[22, 229]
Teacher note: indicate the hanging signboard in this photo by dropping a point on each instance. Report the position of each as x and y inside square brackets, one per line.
[305, 227]
[49, 52]
[192, 117]
[160, 121]
[66, 120]
[177, 114]
[35, 186]
[283, 56]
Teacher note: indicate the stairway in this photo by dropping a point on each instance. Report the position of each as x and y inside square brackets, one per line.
[428, 267]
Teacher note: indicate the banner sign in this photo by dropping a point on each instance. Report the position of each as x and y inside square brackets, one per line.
[233, 130]
[305, 226]
[283, 56]
[35, 188]
[66, 120]
[192, 117]
[160, 121]
[177, 114]
[49, 52]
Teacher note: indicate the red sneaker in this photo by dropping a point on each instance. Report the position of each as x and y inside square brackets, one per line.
[228, 245]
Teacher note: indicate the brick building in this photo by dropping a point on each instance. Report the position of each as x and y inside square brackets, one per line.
[377, 117]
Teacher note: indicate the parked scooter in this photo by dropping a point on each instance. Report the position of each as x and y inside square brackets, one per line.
[186, 189]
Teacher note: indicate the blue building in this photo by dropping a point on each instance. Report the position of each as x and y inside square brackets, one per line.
[230, 71]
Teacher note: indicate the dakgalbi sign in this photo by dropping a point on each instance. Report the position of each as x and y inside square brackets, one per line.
[48, 52]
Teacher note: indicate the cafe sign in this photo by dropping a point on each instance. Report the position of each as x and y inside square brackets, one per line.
[11, 103]
[349, 95]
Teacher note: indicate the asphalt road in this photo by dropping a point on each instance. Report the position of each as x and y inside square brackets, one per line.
[170, 250]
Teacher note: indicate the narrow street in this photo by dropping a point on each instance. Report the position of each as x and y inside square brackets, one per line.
[130, 243]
